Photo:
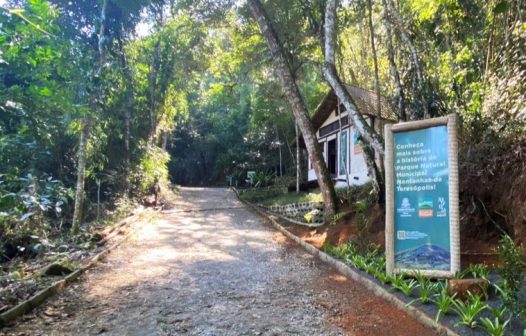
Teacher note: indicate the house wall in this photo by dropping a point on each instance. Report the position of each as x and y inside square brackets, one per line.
[356, 167]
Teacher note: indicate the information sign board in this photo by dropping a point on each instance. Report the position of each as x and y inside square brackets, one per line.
[422, 233]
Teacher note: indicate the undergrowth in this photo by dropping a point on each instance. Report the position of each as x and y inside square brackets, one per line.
[469, 312]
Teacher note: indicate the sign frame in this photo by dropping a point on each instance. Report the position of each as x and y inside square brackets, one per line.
[450, 122]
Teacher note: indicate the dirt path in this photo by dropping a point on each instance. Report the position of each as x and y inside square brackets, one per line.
[211, 267]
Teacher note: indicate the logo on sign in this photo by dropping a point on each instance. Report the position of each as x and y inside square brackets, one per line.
[425, 208]
[442, 212]
[405, 209]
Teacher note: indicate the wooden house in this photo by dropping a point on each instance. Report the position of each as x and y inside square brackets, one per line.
[340, 141]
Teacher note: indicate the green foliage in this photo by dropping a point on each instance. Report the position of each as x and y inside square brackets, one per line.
[494, 327]
[360, 222]
[268, 196]
[30, 207]
[511, 299]
[357, 193]
[372, 262]
[460, 274]
[512, 266]
[359, 261]
[468, 311]
[396, 278]
[263, 179]
[152, 169]
[444, 301]
[279, 196]
[406, 286]
[238, 118]
[344, 251]
[381, 276]
[426, 289]
[513, 263]
[478, 271]
[498, 312]
[337, 217]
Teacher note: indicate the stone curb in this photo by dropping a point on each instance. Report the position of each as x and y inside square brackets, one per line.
[57, 287]
[352, 274]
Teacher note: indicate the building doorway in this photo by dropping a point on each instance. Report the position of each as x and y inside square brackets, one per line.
[332, 155]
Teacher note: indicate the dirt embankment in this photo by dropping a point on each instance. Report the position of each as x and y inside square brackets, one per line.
[493, 190]
[492, 202]
[475, 248]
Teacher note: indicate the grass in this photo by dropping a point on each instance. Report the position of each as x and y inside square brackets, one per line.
[278, 198]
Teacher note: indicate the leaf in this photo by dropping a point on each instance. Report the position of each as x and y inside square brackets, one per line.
[501, 7]
[45, 92]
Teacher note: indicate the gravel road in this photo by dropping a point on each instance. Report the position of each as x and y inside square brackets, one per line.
[209, 266]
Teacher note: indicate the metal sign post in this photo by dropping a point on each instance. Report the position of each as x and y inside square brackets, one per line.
[422, 216]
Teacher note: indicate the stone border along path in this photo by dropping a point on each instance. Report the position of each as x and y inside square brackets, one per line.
[352, 274]
[40, 297]
[297, 210]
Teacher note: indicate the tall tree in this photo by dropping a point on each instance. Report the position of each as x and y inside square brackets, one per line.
[375, 57]
[285, 73]
[330, 73]
[86, 124]
[395, 74]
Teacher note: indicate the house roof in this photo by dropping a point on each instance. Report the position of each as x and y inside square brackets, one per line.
[364, 99]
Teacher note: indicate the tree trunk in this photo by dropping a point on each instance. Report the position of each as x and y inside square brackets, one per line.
[165, 138]
[84, 134]
[102, 31]
[297, 103]
[491, 42]
[128, 107]
[329, 71]
[420, 88]
[297, 157]
[395, 74]
[366, 72]
[348, 156]
[81, 175]
[375, 172]
[289, 148]
[127, 137]
[375, 59]
[153, 85]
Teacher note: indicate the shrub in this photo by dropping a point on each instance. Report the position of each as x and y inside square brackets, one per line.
[494, 327]
[512, 267]
[29, 206]
[263, 179]
[512, 263]
[152, 168]
[468, 311]
[444, 301]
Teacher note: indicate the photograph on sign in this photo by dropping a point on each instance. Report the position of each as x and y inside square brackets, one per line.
[421, 235]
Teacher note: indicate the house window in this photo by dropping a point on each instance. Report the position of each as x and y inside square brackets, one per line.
[332, 154]
[343, 153]
[333, 127]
